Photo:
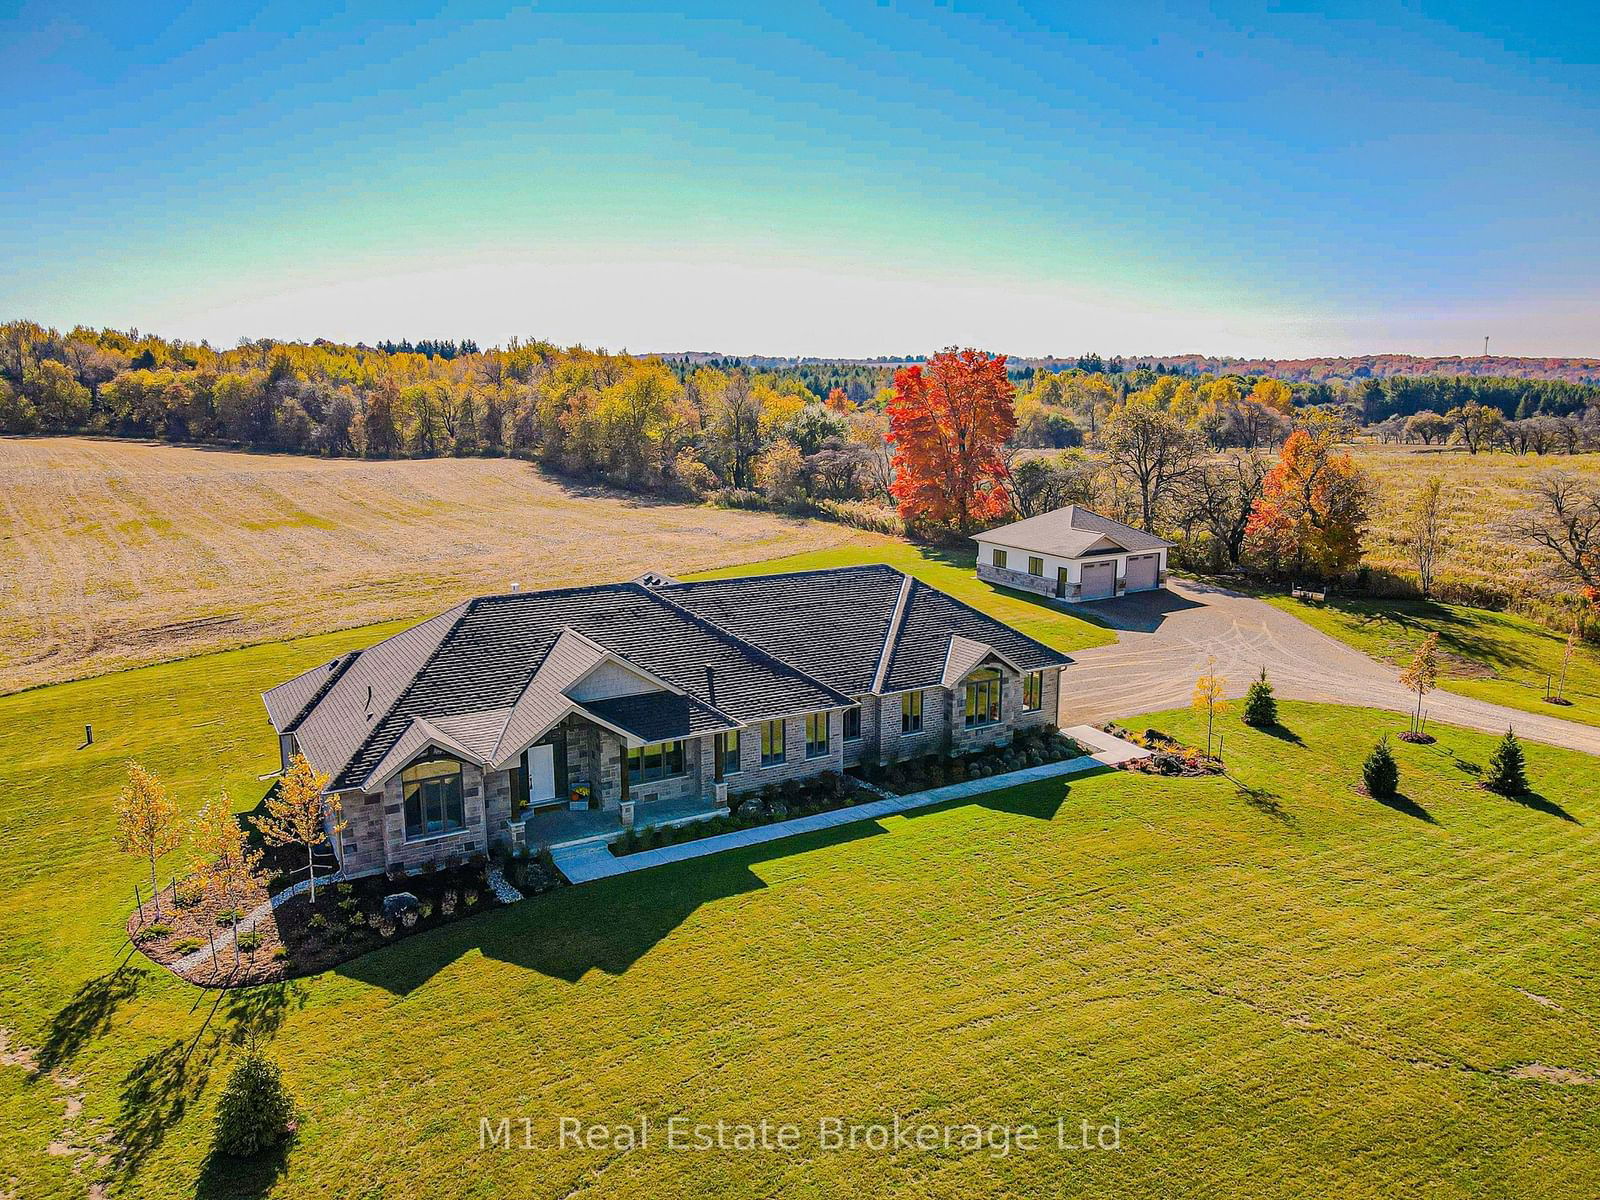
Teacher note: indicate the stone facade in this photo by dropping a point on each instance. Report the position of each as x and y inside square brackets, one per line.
[375, 838]
[1022, 581]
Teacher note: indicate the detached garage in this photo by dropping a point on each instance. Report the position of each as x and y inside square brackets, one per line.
[1073, 554]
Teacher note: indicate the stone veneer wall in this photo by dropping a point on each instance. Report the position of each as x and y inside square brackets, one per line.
[753, 776]
[1020, 580]
[423, 852]
[864, 748]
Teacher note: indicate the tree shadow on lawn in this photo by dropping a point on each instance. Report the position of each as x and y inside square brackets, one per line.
[1282, 734]
[88, 1014]
[1402, 803]
[224, 1177]
[606, 925]
[157, 1092]
[1264, 801]
[1545, 805]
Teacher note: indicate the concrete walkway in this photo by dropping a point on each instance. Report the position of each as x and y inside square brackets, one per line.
[581, 864]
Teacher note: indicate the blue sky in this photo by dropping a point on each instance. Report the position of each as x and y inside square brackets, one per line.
[814, 179]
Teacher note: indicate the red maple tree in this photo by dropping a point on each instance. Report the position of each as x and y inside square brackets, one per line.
[949, 422]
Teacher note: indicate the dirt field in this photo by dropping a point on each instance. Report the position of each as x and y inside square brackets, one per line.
[116, 553]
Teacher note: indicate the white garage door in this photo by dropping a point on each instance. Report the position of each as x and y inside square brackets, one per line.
[1099, 580]
[1142, 572]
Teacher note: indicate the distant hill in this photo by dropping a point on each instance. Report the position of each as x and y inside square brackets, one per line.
[1292, 370]
[1380, 366]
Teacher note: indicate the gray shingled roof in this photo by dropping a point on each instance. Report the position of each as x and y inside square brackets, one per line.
[1069, 532]
[777, 645]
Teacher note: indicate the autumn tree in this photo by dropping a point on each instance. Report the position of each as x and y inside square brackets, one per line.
[1425, 533]
[949, 421]
[1220, 497]
[1155, 452]
[1312, 511]
[224, 859]
[1422, 675]
[147, 822]
[1208, 691]
[300, 814]
[1428, 427]
[1477, 425]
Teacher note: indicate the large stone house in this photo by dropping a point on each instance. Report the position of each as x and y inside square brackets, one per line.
[541, 717]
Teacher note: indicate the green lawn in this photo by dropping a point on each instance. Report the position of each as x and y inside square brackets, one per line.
[1493, 656]
[1279, 987]
[952, 571]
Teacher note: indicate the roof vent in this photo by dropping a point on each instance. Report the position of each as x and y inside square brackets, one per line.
[515, 588]
[369, 702]
[711, 685]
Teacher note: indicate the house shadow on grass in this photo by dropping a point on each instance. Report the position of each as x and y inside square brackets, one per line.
[607, 925]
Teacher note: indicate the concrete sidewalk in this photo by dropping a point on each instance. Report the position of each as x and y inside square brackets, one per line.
[581, 864]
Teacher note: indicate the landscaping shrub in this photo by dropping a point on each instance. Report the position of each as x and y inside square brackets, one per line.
[1380, 772]
[227, 916]
[1507, 772]
[186, 945]
[189, 892]
[249, 943]
[280, 954]
[254, 1112]
[1260, 706]
[154, 930]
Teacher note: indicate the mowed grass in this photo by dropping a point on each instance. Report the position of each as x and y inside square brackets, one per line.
[117, 553]
[1493, 656]
[949, 570]
[1278, 986]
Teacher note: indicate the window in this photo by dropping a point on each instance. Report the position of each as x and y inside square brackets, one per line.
[999, 557]
[663, 760]
[771, 743]
[728, 749]
[1035, 565]
[816, 734]
[983, 697]
[1033, 691]
[432, 791]
[911, 712]
[852, 724]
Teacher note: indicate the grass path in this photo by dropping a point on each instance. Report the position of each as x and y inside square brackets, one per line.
[1256, 979]
[1493, 656]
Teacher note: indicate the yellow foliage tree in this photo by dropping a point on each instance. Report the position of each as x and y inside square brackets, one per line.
[300, 814]
[1422, 674]
[1208, 691]
[147, 821]
[224, 859]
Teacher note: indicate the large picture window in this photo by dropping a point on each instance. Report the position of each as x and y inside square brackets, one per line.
[911, 712]
[1033, 691]
[771, 743]
[432, 791]
[816, 735]
[663, 760]
[983, 697]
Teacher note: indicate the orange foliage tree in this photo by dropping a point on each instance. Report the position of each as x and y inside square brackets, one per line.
[1313, 508]
[949, 422]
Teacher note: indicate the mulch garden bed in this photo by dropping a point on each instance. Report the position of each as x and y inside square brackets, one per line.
[796, 798]
[1034, 747]
[1168, 756]
[297, 938]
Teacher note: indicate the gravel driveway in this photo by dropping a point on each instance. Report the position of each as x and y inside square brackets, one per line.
[1165, 637]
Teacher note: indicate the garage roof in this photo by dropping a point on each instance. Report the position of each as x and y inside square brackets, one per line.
[1071, 532]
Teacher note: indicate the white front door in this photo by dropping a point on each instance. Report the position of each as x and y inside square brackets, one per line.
[541, 774]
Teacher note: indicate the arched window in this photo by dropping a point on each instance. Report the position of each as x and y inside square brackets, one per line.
[432, 790]
[983, 697]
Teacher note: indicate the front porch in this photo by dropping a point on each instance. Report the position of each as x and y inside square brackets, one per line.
[554, 828]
